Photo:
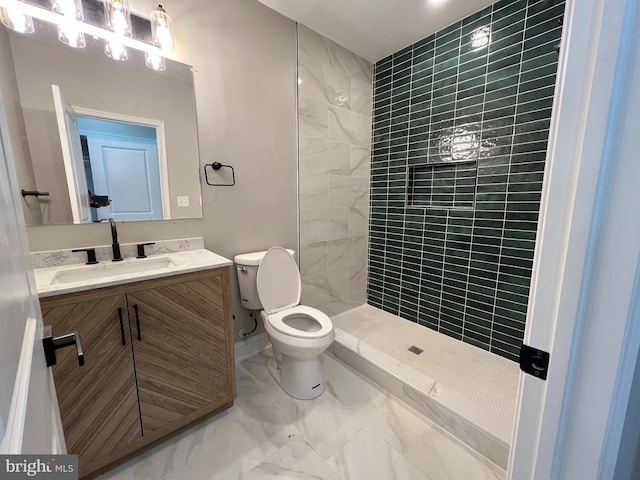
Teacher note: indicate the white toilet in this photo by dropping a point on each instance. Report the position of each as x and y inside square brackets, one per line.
[270, 282]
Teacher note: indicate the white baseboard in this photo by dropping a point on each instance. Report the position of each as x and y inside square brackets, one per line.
[251, 346]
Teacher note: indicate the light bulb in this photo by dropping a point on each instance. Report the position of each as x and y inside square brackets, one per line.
[68, 32]
[154, 61]
[118, 17]
[162, 29]
[116, 50]
[13, 17]
[119, 22]
[70, 35]
[71, 9]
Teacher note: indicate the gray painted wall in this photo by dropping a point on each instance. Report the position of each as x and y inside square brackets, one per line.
[127, 88]
[244, 55]
[17, 141]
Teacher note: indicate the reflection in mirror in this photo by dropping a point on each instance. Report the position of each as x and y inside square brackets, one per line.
[122, 158]
[114, 140]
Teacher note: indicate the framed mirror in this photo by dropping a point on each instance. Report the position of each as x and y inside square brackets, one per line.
[104, 138]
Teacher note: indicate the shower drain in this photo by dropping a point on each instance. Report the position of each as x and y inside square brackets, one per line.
[416, 350]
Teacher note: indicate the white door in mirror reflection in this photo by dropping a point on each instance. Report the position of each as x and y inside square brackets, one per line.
[72, 156]
[113, 164]
[122, 170]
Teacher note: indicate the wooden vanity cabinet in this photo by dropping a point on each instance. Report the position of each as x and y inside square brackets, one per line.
[179, 345]
[98, 402]
[158, 358]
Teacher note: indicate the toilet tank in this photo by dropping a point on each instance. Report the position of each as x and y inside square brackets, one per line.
[247, 269]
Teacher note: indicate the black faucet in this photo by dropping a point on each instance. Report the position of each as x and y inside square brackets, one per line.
[115, 246]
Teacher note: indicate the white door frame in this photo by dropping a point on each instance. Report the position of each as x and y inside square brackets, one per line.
[584, 288]
[161, 137]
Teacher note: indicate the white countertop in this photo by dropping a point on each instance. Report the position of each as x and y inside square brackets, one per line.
[48, 284]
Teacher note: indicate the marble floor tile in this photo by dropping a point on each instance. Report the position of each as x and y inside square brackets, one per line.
[226, 462]
[257, 368]
[354, 430]
[246, 434]
[368, 456]
[330, 420]
[442, 457]
[405, 470]
[295, 460]
[398, 426]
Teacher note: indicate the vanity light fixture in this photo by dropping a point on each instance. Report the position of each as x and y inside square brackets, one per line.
[118, 16]
[119, 22]
[162, 30]
[13, 16]
[67, 16]
[115, 49]
[71, 13]
[154, 61]
[162, 34]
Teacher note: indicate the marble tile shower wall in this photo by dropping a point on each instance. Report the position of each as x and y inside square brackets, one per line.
[460, 129]
[334, 115]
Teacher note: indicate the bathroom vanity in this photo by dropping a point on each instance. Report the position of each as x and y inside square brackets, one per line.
[158, 350]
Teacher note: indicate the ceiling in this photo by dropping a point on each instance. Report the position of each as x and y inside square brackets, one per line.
[375, 29]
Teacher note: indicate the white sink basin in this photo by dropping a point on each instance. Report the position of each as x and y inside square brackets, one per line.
[110, 269]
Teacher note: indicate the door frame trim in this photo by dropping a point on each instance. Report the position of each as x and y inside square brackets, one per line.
[561, 424]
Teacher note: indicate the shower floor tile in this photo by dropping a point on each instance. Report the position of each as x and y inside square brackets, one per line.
[480, 376]
[354, 430]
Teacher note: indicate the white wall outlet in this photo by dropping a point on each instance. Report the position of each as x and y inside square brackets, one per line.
[183, 201]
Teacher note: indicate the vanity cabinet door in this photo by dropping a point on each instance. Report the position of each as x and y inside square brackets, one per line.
[98, 401]
[180, 346]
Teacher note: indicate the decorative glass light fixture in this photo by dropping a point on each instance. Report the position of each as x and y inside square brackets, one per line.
[162, 34]
[116, 50]
[13, 17]
[118, 16]
[119, 22]
[68, 17]
[68, 32]
[162, 30]
[154, 61]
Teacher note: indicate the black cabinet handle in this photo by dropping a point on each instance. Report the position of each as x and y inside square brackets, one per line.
[135, 308]
[121, 326]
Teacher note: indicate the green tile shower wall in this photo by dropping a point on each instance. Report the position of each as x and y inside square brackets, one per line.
[463, 268]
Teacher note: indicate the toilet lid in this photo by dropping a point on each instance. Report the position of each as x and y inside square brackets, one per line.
[278, 280]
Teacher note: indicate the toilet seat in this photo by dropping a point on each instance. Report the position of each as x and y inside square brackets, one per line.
[277, 321]
[279, 287]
